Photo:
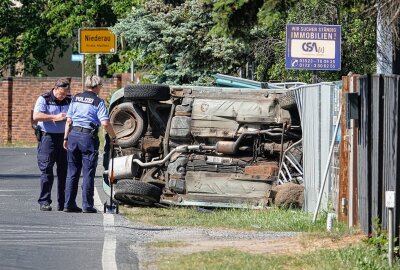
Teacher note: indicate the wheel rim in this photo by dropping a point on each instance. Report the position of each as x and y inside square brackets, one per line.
[124, 124]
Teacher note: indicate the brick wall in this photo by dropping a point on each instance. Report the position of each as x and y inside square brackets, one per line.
[18, 96]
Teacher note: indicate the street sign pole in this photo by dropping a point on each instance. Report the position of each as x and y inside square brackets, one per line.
[390, 198]
[97, 64]
[83, 73]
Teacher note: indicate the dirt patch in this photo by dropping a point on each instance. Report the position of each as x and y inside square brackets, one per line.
[289, 245]
[289, 195]
[159, 242]
[183, 241]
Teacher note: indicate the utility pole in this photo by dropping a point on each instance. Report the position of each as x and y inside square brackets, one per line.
[83, 72]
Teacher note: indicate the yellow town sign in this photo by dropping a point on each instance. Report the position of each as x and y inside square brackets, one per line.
[96, 40]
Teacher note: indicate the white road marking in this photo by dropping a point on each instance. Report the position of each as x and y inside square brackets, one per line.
[110, 240]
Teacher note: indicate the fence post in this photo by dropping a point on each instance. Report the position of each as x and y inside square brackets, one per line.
[390, 203]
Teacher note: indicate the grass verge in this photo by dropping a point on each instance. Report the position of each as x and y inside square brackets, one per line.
[19, 144]
[274, 219]
[344, 256]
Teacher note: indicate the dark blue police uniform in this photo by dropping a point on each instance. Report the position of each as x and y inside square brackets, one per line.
[50, 148]
[87, 110]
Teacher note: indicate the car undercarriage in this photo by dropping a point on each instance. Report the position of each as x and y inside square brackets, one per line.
[203, 146]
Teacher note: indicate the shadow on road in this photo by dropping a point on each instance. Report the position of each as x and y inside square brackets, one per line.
[23, 176]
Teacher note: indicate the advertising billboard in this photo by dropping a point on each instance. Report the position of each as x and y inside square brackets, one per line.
[313, 47]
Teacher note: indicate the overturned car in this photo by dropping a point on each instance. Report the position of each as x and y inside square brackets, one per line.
[202, 146]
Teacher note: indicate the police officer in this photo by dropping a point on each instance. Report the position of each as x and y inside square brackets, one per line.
[86, 113]
[50, 112]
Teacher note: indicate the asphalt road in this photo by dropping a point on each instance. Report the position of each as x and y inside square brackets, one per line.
[32, 239]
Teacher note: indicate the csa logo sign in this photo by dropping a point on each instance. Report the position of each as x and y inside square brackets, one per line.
[312, 46]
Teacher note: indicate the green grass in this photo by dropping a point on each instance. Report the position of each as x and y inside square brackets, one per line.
[19, 144]
[273, 219]
[355, 257]
[101, 139]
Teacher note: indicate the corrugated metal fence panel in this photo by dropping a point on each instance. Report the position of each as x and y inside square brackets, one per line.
[311, 106]
[391, 164]
[377, 111]
[378, 149]
[364, 154]
[327, 129]
[334, 168]
[315, 103]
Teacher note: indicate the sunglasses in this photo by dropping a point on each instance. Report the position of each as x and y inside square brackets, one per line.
[63, 84]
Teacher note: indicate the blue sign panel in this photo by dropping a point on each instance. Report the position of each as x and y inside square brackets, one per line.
[313, 47]
[76, 57]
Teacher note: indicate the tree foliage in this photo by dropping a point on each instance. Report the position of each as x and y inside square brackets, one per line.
[66, 17]
[24, 43]
[176, 40]
[358, 39]
[182, 42]
[266, 35]
[233, 18]
[37, 31]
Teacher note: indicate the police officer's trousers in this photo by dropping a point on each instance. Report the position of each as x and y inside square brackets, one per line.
[83, 151]
[50, 151]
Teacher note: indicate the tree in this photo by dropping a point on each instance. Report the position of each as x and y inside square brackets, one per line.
[388, 35]
[235, 18]
[265, 35]
[25, 45]
[175, 43]
[389, 9]
[37, 31]
[358, 39]
[66, 17]
[179, 41]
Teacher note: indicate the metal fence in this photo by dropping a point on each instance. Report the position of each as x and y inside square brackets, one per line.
[364, 153]
[378, 149]
[318, 105]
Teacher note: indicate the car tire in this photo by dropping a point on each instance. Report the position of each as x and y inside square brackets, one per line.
[287, 100]
[157, 92]
[128, 122]
[135, 192]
